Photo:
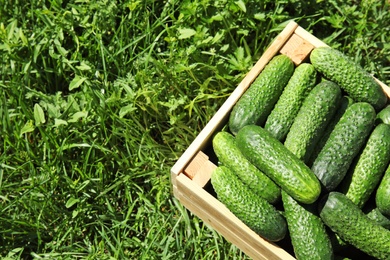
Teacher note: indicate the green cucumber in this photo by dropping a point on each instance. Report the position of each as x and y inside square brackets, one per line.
[315, 114]
[309, 237]
[363, 178]
[347, 220]
[286, 108]
[345, 102]
[228, 154]
[349, 75]
[254, 106]
[277, 162]
[258, 214]
[344, 144]
[382, 196]
[379, 218]
[383, 116]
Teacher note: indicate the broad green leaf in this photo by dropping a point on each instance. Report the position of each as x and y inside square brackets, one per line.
[207, 40]
[5, 46]
[224, 48]
[72, 104]
[37, 51]
[241, 5]
[26, 67]
[260, 16]
[125, 110]
[23, 37]
[216, 17]
[11, 29]
[53, 54]
[75, 213]
[76, 82]
[71, 201]
[239, 53]
[58, 122]
[83, 66]
[39, 115]
[78, 115]
[133, 5]
[170, 39]
[218, 36]
[244, 32]
[27, 128]
[185, 33]
[53, 111]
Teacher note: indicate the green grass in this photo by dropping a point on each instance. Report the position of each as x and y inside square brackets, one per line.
[99, 99]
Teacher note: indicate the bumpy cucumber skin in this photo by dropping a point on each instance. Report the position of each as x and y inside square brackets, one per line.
[228, 154]
[350, 76]
[365, 175]
[315, 114]
[379, 218]
[286, 108]
[382, 197]
[256, 103]
[277, 162]
[344, 144]
[346, 219]
[254, 211]
[345, 102]
[383, 116]
[309, 237]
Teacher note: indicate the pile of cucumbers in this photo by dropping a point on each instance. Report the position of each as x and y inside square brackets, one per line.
[306, 152]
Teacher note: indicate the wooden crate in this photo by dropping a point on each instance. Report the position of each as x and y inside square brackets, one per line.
[191, 173]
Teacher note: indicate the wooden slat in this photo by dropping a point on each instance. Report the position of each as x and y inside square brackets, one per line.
[309, 37]
[297, 49]
[385, 88]
[215, 214]
[200, 169]
[196, 164]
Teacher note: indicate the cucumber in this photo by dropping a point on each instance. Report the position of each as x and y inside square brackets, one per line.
[363, 178]
[286, 108]
[347, 220]
[309, 237]
[315, 114]
[345, 102]
[256, 103]
[382, 197]
[277, 162]
[383, 116]
[228, 154]
[254, 211]
[344, 144]
[349, 75]
[379, 218]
